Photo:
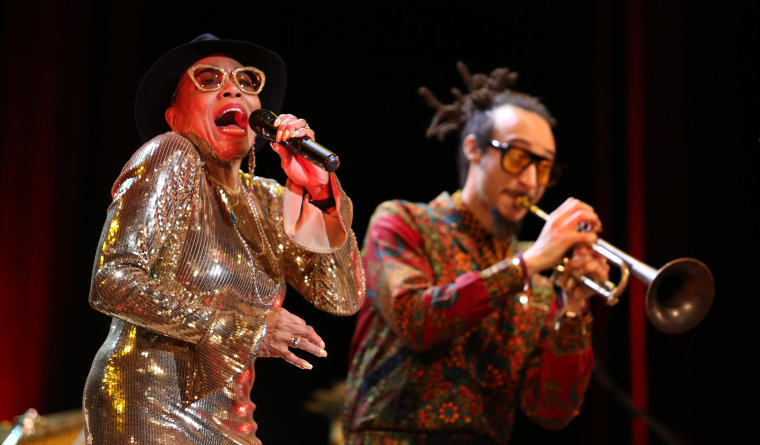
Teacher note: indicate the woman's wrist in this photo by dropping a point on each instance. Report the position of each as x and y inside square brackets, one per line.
[321, 196]
[319, 192]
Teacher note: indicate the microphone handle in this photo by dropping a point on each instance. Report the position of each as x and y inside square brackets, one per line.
[313, 152]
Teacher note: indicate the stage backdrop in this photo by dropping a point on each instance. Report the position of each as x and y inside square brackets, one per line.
[657, 107]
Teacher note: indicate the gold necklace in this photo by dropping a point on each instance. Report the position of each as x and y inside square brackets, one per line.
[230, 198]
[227, 197]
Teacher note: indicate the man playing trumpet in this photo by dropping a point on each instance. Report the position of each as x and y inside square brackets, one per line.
[460, 330]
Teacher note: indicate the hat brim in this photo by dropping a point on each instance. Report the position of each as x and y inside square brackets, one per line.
[157, 86]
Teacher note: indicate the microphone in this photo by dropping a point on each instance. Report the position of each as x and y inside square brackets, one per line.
[262, 122]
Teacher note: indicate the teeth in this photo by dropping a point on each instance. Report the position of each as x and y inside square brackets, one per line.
[229, 117]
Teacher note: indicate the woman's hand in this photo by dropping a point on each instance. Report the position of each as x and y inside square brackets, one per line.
[285, 330]
[302, 172]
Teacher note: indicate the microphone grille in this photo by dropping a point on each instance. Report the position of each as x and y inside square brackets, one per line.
[262, 122]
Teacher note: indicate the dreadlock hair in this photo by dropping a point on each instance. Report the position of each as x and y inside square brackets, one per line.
[471, 113]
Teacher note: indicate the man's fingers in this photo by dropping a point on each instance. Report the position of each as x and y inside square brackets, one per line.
[590, 265]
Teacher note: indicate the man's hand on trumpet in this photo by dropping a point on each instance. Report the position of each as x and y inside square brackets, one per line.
[572, 227]
[584, 261]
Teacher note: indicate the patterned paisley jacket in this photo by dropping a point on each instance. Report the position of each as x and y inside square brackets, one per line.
[450, 339]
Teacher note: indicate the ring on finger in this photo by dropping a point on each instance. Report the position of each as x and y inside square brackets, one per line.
[294, 341]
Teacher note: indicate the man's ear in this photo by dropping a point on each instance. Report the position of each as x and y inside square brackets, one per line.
[171, 117]
[472, 152]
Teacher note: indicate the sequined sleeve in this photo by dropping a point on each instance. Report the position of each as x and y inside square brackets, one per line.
[318, 250]
[155, 202]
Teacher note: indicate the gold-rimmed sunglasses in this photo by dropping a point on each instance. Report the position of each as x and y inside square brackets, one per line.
[206, 77]
[515, 160]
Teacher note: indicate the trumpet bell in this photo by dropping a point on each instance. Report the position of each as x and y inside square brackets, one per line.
[680, 295]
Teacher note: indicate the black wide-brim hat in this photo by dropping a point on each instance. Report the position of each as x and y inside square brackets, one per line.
[155, 92]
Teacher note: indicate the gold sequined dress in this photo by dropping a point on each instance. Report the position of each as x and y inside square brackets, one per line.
[188, 271]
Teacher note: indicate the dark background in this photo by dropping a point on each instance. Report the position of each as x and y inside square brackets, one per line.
[671, 83]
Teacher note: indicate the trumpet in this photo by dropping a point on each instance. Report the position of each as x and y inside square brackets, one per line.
[678, 296]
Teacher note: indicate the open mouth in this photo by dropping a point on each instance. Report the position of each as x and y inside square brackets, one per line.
[232, 119]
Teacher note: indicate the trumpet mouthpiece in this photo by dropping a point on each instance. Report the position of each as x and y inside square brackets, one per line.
[523, 201]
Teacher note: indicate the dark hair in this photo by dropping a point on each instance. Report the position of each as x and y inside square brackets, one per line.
[469, 114]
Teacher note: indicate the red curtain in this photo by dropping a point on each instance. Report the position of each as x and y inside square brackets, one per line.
[636, 211]
[66, 75]
[27, 201]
